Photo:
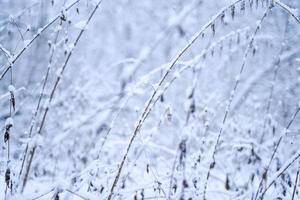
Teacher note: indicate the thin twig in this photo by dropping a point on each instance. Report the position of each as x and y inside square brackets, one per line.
[149, 103]
[39, 102]
[274, 152]
[287, 9]
[295, 184]
[40, 31]
[59, 77]
[212, 164]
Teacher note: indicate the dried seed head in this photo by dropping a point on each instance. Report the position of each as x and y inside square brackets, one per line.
[222, 17]
[175, 187]
[251, 4]
[195, 183]
[6, 136]
[162, 98]
[254, 51]
[13, 100]
[182, 148]
[243, 6]
[7, 177]
[56, 197]
[185, 183]
[213, 28]
[232, 8]
[212, 165]
[143, 194]
[190, 92]
[256, 4]
[63, 17]
[272, 4]
[192, 106]
[135, 197]
[264, 175]
[227, 186]
[101, 189]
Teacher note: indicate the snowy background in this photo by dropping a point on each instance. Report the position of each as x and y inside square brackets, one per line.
[152, 99]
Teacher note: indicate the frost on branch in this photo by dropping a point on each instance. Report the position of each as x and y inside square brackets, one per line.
[149, 100]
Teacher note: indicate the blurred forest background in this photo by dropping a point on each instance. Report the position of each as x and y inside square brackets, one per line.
[129, 99]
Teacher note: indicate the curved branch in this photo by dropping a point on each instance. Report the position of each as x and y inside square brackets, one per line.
[156, 90]
[59, 77]
[40, 31]
[287, 9]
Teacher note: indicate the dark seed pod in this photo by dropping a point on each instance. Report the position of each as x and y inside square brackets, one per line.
[181, 31]
[7, 177]
[6, 136]
[264, 176]
[185, 184]
[175, 187]
[195, 183]
[232, 11]
[143, 194]
[251, 4]
[162, 98]
[256, 3]
[191, 94]
[212, 165]
[56, 197]
[77, 10]
[135, 197]
[213, 28]
[63, 17]
[227, 186]
[243, 6]
[272, 4]
[13, 100]
[101, 189]
[182, 148]
[254, 51]
[252, 177]
[222, 17]
[192, 107]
